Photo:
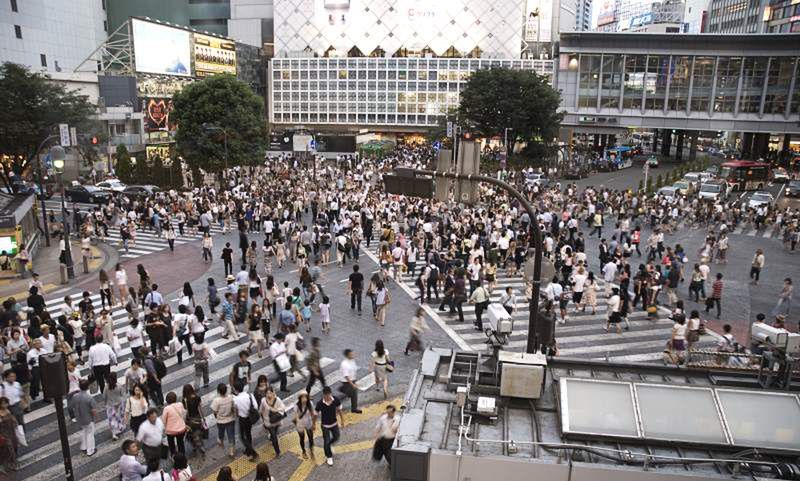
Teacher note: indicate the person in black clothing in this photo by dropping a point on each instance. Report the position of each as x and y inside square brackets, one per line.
[36, 301]
[243, 244]
[227, 258]
[356, 288]
[449, 285]
[329, 407]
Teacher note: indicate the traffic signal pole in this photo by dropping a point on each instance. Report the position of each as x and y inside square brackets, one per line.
[533, 340]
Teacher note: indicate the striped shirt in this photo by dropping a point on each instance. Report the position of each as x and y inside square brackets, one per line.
[716, 290]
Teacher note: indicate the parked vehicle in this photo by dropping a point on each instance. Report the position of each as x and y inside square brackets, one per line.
[652, 162]
[111, 185]
[793, 189]
[760, 198]
[140, 191]
[668, 191]
[713, 190]
[86, 193]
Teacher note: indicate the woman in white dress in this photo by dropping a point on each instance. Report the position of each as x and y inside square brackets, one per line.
[381, 364]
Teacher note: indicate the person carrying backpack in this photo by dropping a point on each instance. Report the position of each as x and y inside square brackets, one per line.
[156, 371]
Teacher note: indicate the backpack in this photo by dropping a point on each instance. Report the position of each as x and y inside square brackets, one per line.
[160, 367]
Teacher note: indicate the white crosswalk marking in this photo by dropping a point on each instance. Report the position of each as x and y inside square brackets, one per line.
[583, 335]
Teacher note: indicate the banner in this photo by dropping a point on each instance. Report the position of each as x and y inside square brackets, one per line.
[156, 114]
[213, 55]
[161, 49]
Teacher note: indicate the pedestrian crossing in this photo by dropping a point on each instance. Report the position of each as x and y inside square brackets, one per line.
[42, 460]
[145, 241]
[583, 335]
[743, 229]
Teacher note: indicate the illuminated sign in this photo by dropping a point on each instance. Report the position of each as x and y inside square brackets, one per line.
[147, 86]
[156, 114]
[213, 55]
[161, 49]
[161, 151]
[606, 15]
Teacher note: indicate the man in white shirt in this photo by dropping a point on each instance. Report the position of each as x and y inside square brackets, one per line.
[48, 340]
[349, 370]
[553, 293]
[609, 273]
[33, 364]
[278, 350]
[12, 390]
[150, 434]
[385, 432]
[101, 357]
[242, 402]
[613, 311]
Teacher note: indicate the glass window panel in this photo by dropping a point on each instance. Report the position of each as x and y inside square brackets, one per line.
[778, 82]
[597, 407]
[728, 73]
[755, 70]
[635, 68]
[795, 107]
[703, 76]
[656, 81]
[661, 406]
[680, 70]
[612, 81]
[768, 420]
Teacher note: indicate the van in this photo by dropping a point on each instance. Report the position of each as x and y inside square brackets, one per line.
[713, 190]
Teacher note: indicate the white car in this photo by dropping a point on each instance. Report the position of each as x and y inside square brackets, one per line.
[652, 161]
[713, 190]
[780, 175]
[111, 185]
[759, 199]
[668, 192]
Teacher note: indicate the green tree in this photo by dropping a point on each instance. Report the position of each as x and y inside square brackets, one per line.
[158, 172]
[141, 171]
[31, 107]
[124, 168]
[226, 103]
[659, 182]
[500, 98]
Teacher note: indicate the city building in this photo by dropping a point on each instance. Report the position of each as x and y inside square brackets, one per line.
[737, 16]
[394, 64]
[34, 33]
[679, 85]
[695, 16]
[251, 23]
[470, 415]
[641, 16]
[782, 16]
[583, 16]
[203, 15]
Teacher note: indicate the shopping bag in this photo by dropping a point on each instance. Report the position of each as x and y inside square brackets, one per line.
[174, 346]
[115, 345]
[21, 436]
[283, 362]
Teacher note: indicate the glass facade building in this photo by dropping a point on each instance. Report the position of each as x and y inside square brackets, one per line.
[412, 92]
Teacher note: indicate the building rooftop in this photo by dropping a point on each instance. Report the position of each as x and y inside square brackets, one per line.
[522, 438]
[784, 43]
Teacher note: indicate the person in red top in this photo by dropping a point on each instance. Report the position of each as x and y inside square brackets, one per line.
[716, 296]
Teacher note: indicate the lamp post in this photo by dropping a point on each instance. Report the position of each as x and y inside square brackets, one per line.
[41, 186]
[211, 128]
[58, 163]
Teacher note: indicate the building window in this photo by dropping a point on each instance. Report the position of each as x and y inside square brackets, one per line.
[755, 70]
[728, 72]
[703, 79]
[18, 31]
[779, 80]
[680, 71]
[199, 22]
[105, 25]
[656, 81]
[589, 81]
[14, 6]
[104, 5]
[635, 68]
[43, 59]
[611, 85]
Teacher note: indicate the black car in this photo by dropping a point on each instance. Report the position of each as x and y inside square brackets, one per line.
[140, 191]
[793, 188]
[86, 193]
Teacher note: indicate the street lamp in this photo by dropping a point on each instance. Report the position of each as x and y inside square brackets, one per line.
[211, 128]
[58, 155]
[41, 183]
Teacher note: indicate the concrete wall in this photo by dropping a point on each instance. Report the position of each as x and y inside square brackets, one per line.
[445, 467]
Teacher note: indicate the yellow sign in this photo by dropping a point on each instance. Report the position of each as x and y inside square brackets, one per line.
[213, 55]
[161, 150]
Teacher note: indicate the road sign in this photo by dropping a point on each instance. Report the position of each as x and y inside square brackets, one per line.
[312, 145]
[73, 135]
[449, 129]
[63, 130]
[48, 161]
[437, 146]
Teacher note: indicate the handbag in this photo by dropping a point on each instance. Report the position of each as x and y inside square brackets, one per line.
[252, 413]
[283, 362]
[389, 366]
[20, 433]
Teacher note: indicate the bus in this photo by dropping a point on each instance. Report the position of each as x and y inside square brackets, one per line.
[745, 174]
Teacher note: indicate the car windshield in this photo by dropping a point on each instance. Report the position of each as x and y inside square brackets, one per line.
[710, 188]
[680, 185]
[761, 197]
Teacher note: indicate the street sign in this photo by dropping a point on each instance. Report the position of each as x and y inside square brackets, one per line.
[437, 145]
[73, 135]
[48, 161]
[312, 145]
[63, 131]
[449, 129]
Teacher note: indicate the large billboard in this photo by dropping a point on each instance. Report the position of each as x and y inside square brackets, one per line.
[160, 49]
[213, 55]
[156, 114]
[606, 15]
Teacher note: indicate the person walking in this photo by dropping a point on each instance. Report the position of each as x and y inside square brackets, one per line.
[170, 236]
[101, 357]
[304, 421]
[280, 360]
[480, 298]
[784, 305]
[329, 409]
[195, 422]
[418, 326]
[181, 471]
[150, 434]
[313, 360]
[244, 402]
[130, 469]
[114, 398]
[355, 286]
[715, 299]
[382, 301]
[208, 244]
[202, 354]
[262, 473]
[349, 370]
[225, 413]
[381, 365]
[85, 409]
[136, 407]
[756, 266]
[174, 425]
[272, 412]
[155, 368]
[385, 432]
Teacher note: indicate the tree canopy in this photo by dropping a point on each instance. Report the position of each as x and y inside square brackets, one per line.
[499, 98]
[31, 107]
[222, 102]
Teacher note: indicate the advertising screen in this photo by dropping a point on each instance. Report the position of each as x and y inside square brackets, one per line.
[213, 55]
[606, 15]
[8, 244]
[160, 49]
[162, 151]
[156, 114]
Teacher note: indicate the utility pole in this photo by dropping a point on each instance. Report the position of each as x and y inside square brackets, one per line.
[41, 188]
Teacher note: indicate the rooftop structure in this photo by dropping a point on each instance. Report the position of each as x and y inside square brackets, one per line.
[531, 417]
